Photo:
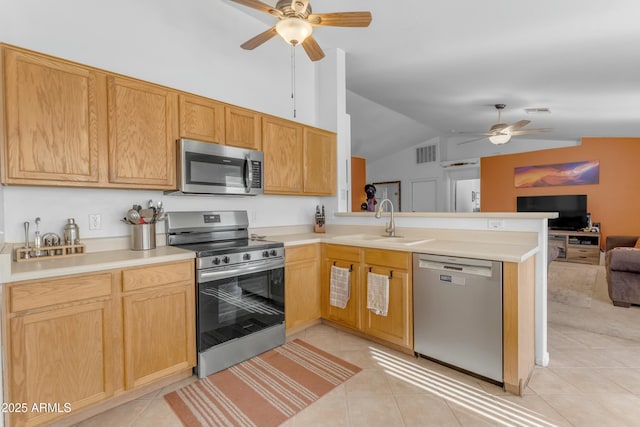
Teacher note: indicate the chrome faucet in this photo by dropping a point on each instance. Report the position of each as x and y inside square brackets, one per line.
[391, 227]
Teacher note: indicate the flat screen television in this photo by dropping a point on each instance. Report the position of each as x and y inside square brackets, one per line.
[572, 209]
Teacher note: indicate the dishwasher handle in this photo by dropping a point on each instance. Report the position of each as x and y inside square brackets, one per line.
[476, 269]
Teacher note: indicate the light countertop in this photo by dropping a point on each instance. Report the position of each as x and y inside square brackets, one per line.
[498, 249]
[94, 261]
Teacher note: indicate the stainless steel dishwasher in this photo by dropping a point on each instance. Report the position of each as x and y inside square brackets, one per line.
[457, 313]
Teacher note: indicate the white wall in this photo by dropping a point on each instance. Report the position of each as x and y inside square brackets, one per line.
[401, 166]
[191, 45]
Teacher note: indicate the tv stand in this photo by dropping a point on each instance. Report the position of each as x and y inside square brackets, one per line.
[576, 246]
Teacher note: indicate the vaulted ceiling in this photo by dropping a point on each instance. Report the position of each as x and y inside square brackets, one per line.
[425, 69]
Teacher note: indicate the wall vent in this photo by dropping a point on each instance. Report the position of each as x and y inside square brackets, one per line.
[426, 154]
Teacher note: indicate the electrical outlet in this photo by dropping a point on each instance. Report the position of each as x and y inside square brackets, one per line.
[495, 224]
[95, 221]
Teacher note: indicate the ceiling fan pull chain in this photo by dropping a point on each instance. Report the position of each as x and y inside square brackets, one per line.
[293, 78]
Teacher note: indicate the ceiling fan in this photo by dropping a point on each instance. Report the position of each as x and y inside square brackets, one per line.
[296, 22]
[501, 133]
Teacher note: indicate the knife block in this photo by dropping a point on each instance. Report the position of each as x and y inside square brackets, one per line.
[319, 228]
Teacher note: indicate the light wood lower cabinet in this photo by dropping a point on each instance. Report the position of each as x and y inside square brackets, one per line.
[159, 321]
[82, 339]
[397, 326]
[345, 257]
[59, 346]
[302, 286]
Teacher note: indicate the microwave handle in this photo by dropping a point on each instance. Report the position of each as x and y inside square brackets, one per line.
[248, 174]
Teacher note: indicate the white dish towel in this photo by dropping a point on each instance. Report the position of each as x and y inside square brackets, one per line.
[378, 293]
[340, 288]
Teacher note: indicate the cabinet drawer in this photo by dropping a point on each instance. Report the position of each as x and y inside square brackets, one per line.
[300, 253]
[347, 253]
[59, 291]
[585, 255]
[157, 275]
[393, 259]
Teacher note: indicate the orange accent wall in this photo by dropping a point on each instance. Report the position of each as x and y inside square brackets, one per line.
[358, 181]
[614, 202]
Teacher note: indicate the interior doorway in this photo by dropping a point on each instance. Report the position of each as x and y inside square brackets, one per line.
[467, 195]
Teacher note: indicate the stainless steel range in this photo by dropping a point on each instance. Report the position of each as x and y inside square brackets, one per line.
[240, 287]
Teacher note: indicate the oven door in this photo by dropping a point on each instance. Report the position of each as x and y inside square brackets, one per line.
[207, 168]
[236, 302]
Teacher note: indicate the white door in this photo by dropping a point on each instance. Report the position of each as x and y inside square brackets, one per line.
[424, 195]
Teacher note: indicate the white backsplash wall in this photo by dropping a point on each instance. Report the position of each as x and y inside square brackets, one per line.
[55, 205]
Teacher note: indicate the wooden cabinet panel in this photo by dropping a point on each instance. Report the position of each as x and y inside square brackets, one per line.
[243, 128]
[159, 333]
[157, 275]
[344, 257]
[142, 134]
[38, 294]
[302, 289]
[54, 120]
[61, 355]
[282, 146]
[397, 326]
[201, 119]
[319, 161]
[386, 258]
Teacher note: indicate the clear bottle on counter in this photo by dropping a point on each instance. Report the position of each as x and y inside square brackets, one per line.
[71, 232]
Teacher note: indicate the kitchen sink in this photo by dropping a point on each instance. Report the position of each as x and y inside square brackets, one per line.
[396, 240]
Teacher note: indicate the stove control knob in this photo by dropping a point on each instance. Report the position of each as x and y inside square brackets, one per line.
[273, 252]
[216, 261]
[246, 257]
[265, 254]
[226, 260]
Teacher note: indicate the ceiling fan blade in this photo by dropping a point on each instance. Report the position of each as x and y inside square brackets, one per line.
[259, 39]
[312, 48]
[530, 131]
[515, 126]
[471, 140]
[341, 19]
[258, 5]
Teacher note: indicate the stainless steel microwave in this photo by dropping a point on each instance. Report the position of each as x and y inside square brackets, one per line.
[206, 168]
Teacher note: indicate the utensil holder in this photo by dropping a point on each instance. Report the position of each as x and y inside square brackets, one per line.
[143, 237]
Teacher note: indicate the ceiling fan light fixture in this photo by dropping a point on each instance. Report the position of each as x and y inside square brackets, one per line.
[294, 30]
[500, 139]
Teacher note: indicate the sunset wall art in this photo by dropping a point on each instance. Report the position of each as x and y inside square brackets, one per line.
[576, 173]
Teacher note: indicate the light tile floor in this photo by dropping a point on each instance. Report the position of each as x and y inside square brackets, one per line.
[593, 379]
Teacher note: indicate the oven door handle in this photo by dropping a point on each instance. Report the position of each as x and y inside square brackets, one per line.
[207, 276]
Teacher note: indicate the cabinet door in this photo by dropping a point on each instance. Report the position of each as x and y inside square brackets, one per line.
[142, 134]
[348, 316]
[159, 333]
[201, 119]
[54, 113]
[302, 286]
[282, 146]
[59, 356]
[319, 162]
[243, 128]
[396, 327]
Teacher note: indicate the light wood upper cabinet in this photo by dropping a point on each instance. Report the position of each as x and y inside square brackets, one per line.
[202, 119]
[142, 134]
[282, 146]
[60, 344]
[53, 121]
[319, 161]
[243, 128]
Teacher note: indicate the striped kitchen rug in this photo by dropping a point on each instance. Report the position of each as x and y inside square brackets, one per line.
[263, 391]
